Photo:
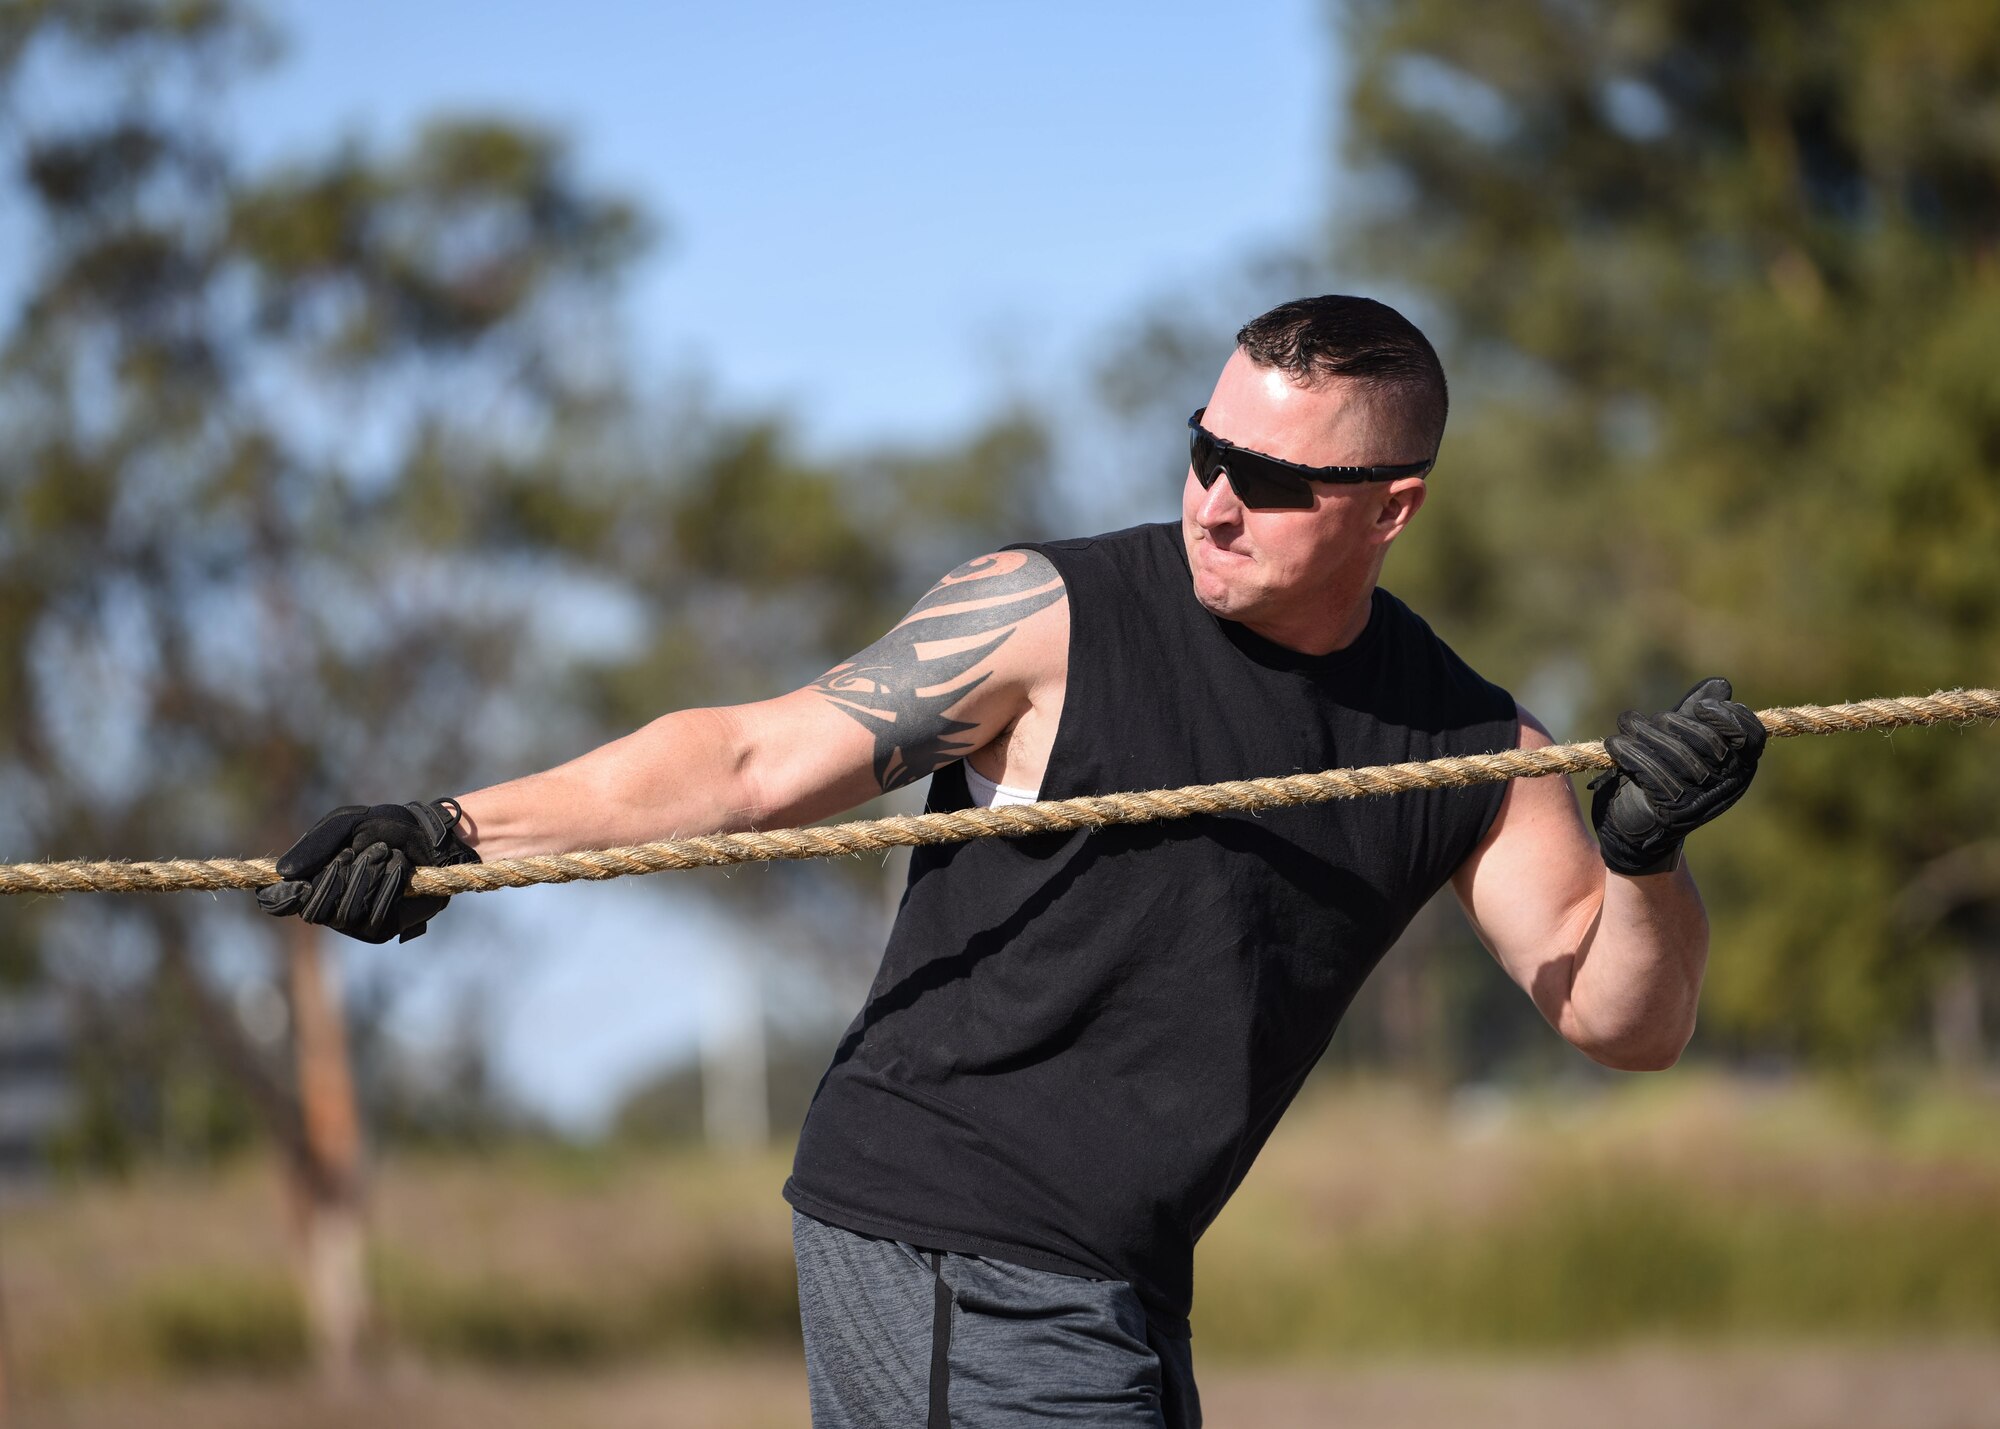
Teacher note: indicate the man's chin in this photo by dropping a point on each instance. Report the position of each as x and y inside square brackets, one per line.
[1220, 598]
[1221, 578]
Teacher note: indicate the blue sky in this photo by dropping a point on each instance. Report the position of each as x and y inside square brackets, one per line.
[881, 215]
[885, 218]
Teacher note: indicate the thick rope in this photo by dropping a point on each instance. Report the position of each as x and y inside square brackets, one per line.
[1055, 816]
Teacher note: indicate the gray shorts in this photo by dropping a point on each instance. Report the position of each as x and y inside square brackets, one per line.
[900, 1337]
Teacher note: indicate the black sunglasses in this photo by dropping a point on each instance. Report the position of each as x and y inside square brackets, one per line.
[1263, 482]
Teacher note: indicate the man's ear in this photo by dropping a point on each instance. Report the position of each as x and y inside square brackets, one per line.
[1401, 500]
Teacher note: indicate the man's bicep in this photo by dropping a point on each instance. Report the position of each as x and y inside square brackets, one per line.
[953, 674]
[1533, 886]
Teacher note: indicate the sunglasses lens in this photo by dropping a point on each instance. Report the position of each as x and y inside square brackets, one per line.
[1201, 455]
[1256, 485]
[1263, 490]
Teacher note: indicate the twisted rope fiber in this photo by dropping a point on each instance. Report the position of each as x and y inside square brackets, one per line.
[1055, 816]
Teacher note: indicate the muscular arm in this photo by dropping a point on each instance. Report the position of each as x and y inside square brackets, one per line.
[1615, 964]
[969, 659]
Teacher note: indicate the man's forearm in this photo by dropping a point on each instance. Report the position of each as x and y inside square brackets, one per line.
[1637, 977]
[679, 776]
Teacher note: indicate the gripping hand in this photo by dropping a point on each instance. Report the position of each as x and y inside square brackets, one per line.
[349, 871]
[1675, 771]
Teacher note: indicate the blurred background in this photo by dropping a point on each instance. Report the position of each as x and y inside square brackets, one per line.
[400, 399]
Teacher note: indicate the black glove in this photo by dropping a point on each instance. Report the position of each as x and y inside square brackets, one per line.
[1675, 772]
[349, 871]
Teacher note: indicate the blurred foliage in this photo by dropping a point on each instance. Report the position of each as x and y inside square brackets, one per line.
[239, 1322]
[1687, 1208]
[1718, 290]
[1608, 1259]
[722, 1296]
[213, 618]
[329, 482]
[1719, 287]
[247, 1323]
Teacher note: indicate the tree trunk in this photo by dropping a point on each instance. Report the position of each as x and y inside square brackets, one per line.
[326, 1182]
[1957, 1030]
[1965, 878]
[6, 1365]
[735, 1091]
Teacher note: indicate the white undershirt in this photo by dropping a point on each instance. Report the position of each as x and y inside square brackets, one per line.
[986, 794]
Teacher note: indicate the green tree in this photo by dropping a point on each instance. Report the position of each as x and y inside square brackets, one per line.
[215, 614]
[1720, 287]
[316, 479]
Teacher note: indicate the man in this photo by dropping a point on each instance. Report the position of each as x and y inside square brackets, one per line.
[1077, 1043]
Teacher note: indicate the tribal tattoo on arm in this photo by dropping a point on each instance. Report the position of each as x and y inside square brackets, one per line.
[902, 688]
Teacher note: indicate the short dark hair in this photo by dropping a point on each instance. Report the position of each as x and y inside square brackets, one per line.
[1312, 340]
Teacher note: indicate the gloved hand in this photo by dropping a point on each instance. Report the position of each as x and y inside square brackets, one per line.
[349, 871]
[1676, 771]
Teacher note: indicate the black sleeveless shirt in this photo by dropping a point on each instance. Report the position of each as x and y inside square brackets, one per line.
[1077, 1043]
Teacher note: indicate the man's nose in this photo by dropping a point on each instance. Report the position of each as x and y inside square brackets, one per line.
[1219, 505]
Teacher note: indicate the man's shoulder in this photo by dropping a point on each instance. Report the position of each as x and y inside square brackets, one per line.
[1430, 661]
[1130, 555]
[1401, 621]
[1119, 581]
[1147, 534]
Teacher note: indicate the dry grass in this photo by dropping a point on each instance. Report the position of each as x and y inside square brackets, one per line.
[1676, 1209]
[1685, 1207]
